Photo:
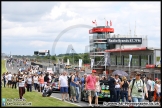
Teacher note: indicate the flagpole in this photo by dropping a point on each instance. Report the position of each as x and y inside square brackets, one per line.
[105, 27]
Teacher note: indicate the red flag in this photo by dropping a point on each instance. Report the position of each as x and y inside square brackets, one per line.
[106, 23]
[94, 22]
[110, 23]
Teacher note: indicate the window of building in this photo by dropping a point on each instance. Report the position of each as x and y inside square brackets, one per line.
[135, 60]
[126, 60]
[110, 46]
[151, 59]
[100, 47]
[144, 60]
[113, 59]
[157, 76]
[119, 60]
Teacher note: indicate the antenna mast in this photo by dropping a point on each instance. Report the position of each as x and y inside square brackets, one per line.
[129, 31]
[135, 30]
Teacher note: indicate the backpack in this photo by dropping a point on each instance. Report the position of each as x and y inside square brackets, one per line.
[133, 85]
[125, 86]
[69, 80]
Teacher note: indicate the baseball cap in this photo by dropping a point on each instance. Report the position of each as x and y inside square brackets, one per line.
[156, 78]
[93, 71]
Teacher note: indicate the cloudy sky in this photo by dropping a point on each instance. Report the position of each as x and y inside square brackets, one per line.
[32, 26]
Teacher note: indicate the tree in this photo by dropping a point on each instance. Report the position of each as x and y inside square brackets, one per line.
[53, 58]
[86, 58]
[65, 58]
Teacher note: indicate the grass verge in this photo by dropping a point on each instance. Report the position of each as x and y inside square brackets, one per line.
[33, 97]
[3, 67]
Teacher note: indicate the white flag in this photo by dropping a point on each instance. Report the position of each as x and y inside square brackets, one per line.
[130, 58]
[92, 62]
[67, 61]
[58, 61]
[105, 62]
[80, 62]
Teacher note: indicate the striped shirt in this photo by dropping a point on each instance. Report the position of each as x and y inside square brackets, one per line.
[22, 83]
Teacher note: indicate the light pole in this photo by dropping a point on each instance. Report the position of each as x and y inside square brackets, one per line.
[73, 55]
[49, 57]
[94, 56]
[120, 53]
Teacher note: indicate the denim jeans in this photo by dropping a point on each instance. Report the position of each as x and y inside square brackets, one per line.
[112, 95]
[77, 93]
[124, 94]
[117, 90]
[29, 87]
[136, 99]
[35, 86]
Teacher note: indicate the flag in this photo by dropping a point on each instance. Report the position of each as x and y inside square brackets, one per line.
[94, 22]
[67, 61]
[92, 62]
[80, 62]
[110, 23]
[107, 59]
[58, 61]
[106, 23]
[130, 58]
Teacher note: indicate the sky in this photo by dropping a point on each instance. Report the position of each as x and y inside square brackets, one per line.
[57, 26]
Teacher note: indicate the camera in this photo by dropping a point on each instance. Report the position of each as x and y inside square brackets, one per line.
[139, 90]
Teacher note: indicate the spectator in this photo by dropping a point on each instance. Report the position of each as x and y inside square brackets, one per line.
[124, 89]
[4, 79]
[130, 79]
[158, 89]
[72, 89]
[41, 82]
[97, 90]
[77, 81]
[83, 80]
[9, 77]
[35, 80]
[29, 83]
[90, 86]
[47, 90]
[50, 78]
[46, 78]
[137, 87]
[21, 85]
[150, 89]
[14, 81]
[63, 84]
[112, 82]
[69, 80]
[117, 87]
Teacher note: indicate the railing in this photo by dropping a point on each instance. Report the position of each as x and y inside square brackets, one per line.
[98, 50]
[128, 36]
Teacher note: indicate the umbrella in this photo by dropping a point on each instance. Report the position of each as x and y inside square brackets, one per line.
[120, 73]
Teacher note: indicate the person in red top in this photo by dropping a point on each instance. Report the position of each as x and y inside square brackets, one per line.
[90, 86]
[41, 82]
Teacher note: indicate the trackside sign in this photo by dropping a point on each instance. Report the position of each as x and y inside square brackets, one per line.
[124, 40]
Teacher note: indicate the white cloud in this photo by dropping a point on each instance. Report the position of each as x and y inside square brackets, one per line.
[52, 21]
